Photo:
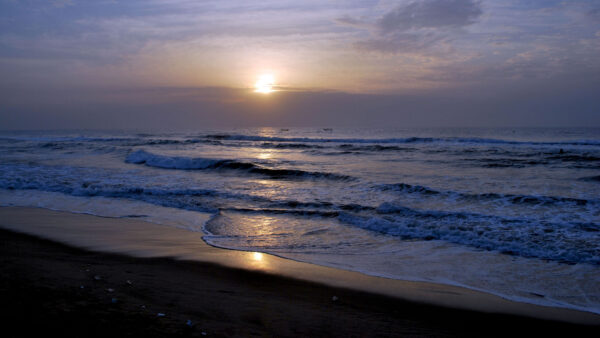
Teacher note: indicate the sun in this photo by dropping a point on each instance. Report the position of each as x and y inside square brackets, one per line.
[265, 84]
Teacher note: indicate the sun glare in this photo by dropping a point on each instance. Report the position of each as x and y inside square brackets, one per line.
[265, 84]
[257, 256]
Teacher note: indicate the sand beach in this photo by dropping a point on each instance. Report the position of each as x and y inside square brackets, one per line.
[75, 275]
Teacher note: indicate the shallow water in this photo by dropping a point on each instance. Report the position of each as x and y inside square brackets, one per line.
[511, 212]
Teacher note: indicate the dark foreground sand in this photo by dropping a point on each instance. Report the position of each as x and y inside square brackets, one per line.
[40, 288]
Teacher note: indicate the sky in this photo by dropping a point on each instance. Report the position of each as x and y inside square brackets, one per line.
[183, 64]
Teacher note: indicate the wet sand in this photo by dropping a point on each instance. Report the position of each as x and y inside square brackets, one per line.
[222, 292]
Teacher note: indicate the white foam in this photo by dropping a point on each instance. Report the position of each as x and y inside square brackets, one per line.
[322, 242]
[526, 237]
[169, 162]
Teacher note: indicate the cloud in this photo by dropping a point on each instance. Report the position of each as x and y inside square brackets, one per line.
[62, 3]
[594, 14]
[400, 46]
[405, 43]
[352, 22]
[430, 14]
[416, 26]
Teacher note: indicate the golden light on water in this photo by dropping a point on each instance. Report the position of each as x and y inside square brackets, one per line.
[264, 155]
[265, 84]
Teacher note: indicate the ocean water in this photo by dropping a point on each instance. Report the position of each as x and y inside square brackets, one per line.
[514, 212]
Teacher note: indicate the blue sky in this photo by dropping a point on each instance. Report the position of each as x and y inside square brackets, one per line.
[74, 63]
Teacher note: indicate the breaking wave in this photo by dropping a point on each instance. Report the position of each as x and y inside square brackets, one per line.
[566, 242]
[190, 163]
[507, 198]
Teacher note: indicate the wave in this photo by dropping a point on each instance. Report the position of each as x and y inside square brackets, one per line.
[505, 162]
[292, 205]
[574, 158]
[9, 140]
[342, 144]
[174, 142]
[507, 198]
[167, 198]
[68, 180]
[372, 148]
[66, 139]
[128, 141]
[564, 242]
[578, 162]
[590, 178]
[289, 146]
[189, 163]
[300, 212]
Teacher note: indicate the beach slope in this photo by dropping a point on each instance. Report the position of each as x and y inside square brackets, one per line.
[93, 290]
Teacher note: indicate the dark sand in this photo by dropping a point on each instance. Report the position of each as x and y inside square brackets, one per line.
[40, 288]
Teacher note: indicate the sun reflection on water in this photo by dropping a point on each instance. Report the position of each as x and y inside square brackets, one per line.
[265, 155]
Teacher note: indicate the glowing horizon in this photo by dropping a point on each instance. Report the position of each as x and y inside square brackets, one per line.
[265, 84]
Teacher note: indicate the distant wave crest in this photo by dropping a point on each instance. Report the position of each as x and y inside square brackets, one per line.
[473, 140]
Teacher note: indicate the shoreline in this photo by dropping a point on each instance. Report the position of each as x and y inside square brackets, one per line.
[512, 278]
[144, 240]
[155, 297]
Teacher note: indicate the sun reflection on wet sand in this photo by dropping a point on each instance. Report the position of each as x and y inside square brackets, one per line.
[258, 261]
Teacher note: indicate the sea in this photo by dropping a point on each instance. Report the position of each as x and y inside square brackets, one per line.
[514, 212]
